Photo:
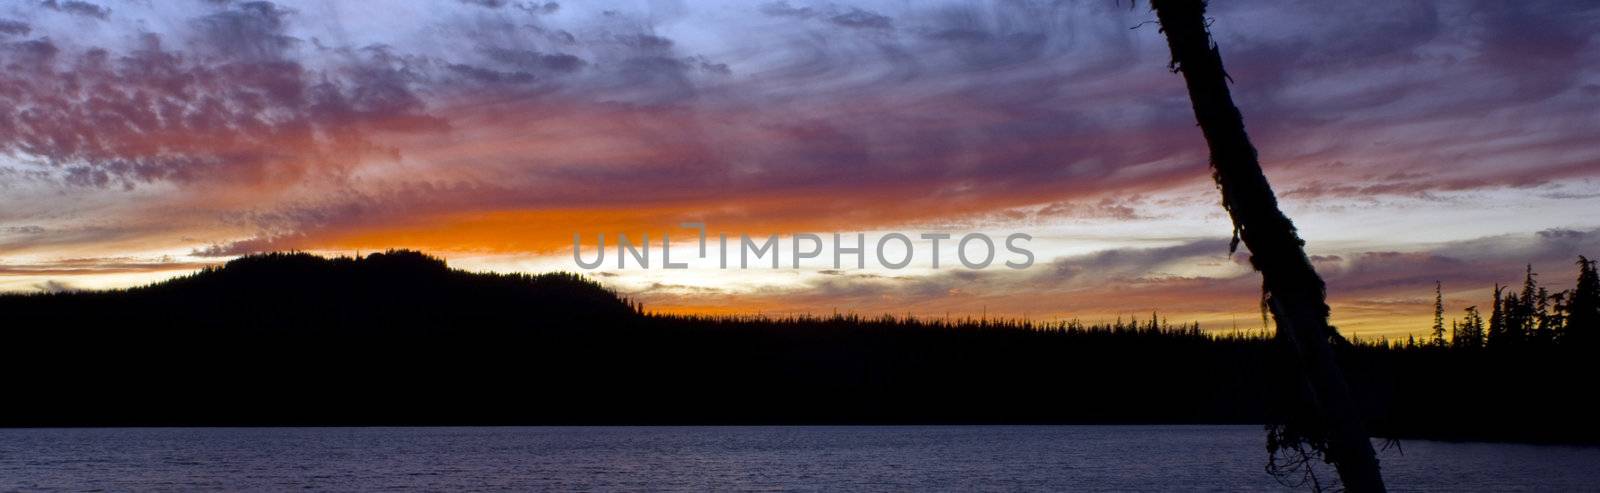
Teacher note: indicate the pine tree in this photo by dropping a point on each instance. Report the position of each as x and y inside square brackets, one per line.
[1471, 332]
[1438, 314]
[1558, 315]
[1512, 323]
[1583, 306]
[1542, 332]
[1497, 320]
[1526, 307]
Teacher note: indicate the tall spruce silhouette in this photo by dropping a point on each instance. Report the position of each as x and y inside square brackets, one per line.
[1496, 338]
[1527, 307]
[1583, 307]
[1468, 334]
[1291, 288]
[1438, 314]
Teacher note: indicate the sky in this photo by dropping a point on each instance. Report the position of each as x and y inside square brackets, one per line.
[1411, 142]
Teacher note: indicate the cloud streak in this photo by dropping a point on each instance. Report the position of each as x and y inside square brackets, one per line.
[214, 129]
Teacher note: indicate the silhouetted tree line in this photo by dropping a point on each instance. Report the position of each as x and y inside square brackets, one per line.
[1534, 318]
[1524, 372]
[399, 338]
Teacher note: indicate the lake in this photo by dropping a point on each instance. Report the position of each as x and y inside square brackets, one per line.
[817, 458]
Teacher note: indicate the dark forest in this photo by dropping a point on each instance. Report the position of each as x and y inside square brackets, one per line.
[400, 338]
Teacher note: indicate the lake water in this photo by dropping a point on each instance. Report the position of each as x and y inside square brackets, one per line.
[820, 458]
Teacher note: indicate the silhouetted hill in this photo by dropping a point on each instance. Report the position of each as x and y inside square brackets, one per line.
[392, 292]
[398, 337]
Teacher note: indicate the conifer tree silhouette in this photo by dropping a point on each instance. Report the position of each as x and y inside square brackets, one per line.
[1438, 314]
[1582, 319]
[1527, 306]
[1497, 319]
[1469, 334]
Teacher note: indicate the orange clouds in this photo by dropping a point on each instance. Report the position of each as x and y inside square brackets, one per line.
[213, 129]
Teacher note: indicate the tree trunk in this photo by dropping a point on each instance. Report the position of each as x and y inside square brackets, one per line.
[1292, 290]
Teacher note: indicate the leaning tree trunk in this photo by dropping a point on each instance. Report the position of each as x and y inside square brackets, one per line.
[1291, 288]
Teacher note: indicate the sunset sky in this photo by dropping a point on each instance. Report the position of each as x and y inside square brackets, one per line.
[1410, 141]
